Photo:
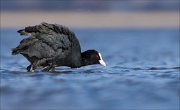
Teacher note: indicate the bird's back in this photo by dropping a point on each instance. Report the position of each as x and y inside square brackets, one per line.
[50, 41]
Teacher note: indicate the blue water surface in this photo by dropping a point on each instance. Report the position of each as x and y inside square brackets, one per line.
[142, 73]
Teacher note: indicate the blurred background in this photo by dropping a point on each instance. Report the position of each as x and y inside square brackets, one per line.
[139, 40]
[92, 14]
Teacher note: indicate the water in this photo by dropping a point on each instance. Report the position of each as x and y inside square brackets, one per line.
[142, 73]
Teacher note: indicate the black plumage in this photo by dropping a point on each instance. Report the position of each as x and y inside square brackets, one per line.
[51, 45]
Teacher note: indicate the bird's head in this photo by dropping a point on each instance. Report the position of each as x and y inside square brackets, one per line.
[91, 57]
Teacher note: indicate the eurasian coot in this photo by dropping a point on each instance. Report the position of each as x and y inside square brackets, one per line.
[51, 45]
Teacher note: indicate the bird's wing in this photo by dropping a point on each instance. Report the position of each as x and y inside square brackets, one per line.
[44, 46]
[51, 33]
[24, 45]
[48, 41]
[45, 28]
[58, 43]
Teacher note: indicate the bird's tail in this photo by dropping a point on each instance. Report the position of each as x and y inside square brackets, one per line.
[22, 32]
[15, 51]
